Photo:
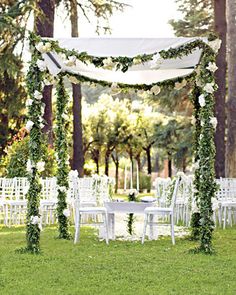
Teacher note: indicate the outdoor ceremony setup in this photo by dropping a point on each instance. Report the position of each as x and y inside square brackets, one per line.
[148, 65]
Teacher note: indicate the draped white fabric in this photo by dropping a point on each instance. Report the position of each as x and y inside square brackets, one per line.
[150, 72]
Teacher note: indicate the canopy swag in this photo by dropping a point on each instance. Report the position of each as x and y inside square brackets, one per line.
[146, 65]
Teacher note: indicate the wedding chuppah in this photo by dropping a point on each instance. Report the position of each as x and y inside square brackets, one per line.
[147, 65]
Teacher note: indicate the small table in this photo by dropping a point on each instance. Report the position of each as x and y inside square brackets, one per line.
[124, 207]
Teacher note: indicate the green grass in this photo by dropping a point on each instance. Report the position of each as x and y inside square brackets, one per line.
[92, 267]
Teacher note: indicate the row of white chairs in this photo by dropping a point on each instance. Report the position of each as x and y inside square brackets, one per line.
[13, 197]
[224, 203]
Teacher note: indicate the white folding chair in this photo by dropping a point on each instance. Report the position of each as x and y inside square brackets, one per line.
[81, 209]
[48, 200]
[150, 212]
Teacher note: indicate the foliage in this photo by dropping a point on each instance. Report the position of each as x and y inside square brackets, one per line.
[100, 9]
[17, 155]
[92, 267]
[62, 159]
[131, 198]
[197, 20]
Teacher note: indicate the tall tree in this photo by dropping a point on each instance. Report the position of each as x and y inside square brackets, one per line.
[102, 10]
[201, 17]
[78, 154]
[231, 103]
[220, 29]
[44, 27]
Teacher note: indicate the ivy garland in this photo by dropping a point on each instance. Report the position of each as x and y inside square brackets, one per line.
[62, 159]
[203, 102]
[34, 85]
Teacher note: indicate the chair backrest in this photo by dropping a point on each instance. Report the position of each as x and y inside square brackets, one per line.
[49, 188]
[7, 188]
[175, 192]
[162, 186]
[21, 187]
[227, 189]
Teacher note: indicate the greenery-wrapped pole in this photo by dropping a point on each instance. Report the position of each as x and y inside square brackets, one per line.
[195, 218]
[62, 159]
[34, 166]
[206, 149]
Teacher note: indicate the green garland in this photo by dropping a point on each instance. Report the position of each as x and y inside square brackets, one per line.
[206, 152]
[62, 159]
[34, 79]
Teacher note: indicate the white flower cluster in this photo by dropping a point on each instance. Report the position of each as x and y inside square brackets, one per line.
[43, 48]
[66, 213]
[41, 65]
[71, 61]
[215, 45]
[212, 67]
[155, 90]
[108, 64]
[209, 87]
[62, 189]
[34, 219]
[201, 100]
[156, 61]
[213, 121]
[30, 165]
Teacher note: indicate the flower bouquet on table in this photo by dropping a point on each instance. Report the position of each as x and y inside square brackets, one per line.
[132, 197]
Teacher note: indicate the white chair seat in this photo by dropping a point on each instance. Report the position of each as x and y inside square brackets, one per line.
[93, 209]
[155, 210]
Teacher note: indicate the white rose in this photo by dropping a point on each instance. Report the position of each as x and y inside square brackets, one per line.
[209, 87]
[73, 80]
[29, 166]
[34, 219]
[196, 165]
[212, 67]
[47, 47]
[215, 45]
[155, 90]
[201, 100]
[38, 95]
[213, 121]
[108, 64]
[156, 61]
[41, 166]
[40, 47]
[66, 213]
[71, 61]
[137, 61]
[41, 65]
[202, 123]
[29, 125]
[29, 102]
[62, 189]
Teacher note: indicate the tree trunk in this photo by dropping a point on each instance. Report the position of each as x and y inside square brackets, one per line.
[96, 158]
[169, 165]
[107, 158]
[231, 104]
[220, 28]
[44, 26]
[149, 160]
[117, 163]
[78, 154]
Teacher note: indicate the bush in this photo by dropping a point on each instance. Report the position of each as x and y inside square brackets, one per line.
[14, 163]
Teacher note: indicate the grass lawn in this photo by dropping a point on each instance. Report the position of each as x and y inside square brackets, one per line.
[92, 267]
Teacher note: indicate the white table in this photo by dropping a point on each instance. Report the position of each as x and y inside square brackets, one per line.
[124, 207]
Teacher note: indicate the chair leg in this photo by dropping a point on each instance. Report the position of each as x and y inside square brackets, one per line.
[172, 229]
[107, 229]
[144, 227]
[77, 229]
[224, 217]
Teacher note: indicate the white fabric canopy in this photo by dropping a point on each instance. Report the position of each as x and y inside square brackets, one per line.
[148, 73]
